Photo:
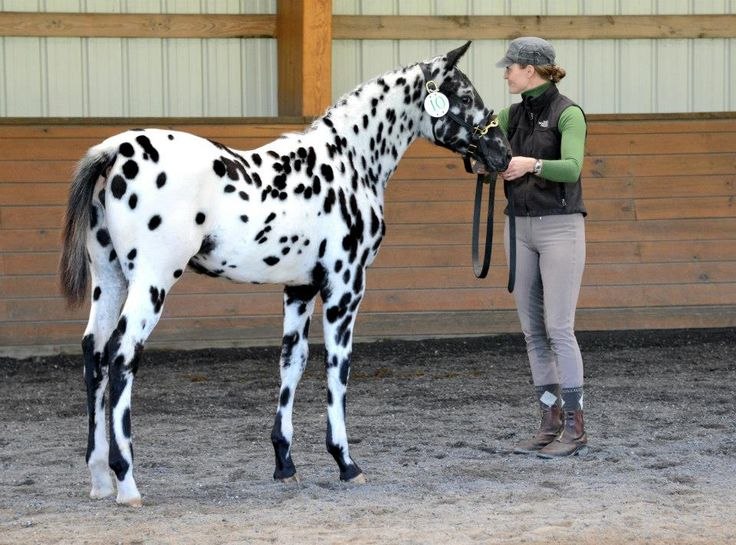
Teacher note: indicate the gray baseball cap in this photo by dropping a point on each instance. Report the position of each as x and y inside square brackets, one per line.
[528, 50]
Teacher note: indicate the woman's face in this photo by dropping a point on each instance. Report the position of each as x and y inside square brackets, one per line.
[518, 78]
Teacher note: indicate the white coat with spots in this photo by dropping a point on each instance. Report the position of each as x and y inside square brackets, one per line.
[305, 210]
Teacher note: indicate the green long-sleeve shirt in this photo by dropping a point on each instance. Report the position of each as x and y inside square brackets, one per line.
[572, 147]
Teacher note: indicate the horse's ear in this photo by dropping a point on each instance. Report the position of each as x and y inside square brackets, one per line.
[455, 55]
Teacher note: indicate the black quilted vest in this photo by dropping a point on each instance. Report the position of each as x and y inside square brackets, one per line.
[532, 132]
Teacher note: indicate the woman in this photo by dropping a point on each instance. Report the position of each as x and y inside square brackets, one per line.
[547, 135]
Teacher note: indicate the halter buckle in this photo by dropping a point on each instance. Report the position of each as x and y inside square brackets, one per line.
[481, 131]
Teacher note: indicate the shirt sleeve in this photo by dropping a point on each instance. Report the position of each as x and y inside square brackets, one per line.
[572, 148]
[503, 120]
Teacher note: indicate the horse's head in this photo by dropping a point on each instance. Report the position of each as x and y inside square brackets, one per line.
[455, 116]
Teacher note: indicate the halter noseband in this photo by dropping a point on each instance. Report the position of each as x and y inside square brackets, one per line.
[476, 132]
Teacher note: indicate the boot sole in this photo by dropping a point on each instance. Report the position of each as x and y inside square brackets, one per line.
[519, 450]
[580, 451]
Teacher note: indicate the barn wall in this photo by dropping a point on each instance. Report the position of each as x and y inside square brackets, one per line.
[131, 77]
[138, 77]
[661, 240]
[604, 76]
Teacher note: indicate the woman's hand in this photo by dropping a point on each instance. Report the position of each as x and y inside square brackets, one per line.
[518, 167]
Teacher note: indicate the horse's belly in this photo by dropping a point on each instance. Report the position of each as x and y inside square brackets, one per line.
[260, 267]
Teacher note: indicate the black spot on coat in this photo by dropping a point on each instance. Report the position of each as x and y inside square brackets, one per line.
[148, 148]
[219, 167]
[130, 169]
[126, 149]
[103, 237]
[157, 298]
[118, 186]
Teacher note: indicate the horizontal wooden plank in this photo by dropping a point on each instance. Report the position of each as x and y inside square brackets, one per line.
[658, 143]
[137, 25]
[97, 129]
[644, 187]
[428, 277]
[32, 194]
[363, 27]
[691, 207]
[622, 124]
[417, 300]
[655, 252]
[21, 263]
[658, 165]
[73, 149]
[434, 168]
[45, 196]
[396, 213]
[44, 240]
[269, 128]
[17, 217]
[580, 27]
[456, 255]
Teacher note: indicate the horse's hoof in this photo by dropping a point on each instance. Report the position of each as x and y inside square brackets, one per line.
[102, 486]
[99, 493]
[294, 479]
[135, 501]
[360, 478]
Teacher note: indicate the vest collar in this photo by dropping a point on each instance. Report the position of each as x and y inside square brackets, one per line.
[535, 100]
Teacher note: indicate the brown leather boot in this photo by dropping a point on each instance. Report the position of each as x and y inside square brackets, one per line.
[549, 429]
[571, 442]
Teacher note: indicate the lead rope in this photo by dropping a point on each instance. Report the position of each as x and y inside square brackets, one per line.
[512, 238]
[481, 270]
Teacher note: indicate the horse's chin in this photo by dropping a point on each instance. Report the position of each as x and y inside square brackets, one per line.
[488, 166]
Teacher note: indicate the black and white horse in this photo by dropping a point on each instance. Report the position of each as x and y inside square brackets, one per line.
[305, 210]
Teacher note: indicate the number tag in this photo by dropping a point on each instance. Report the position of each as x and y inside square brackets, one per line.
[436, 104]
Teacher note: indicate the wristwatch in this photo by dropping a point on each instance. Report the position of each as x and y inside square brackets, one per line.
[538, 167]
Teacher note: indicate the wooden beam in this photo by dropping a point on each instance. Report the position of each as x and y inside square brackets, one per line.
[367, 27]
[407, 27]
[304, 34]
[136, 25]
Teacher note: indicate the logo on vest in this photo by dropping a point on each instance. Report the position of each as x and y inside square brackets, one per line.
[544, 124]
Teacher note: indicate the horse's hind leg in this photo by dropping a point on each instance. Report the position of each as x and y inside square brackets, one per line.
[108, 293]
[298, 308]
[139, 316]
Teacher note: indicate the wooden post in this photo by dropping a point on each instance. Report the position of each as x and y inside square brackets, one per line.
[304, 34]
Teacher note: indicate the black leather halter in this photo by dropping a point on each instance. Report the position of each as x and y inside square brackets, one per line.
[476, 150]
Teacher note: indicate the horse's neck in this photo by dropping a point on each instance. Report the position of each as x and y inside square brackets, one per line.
[377, 122]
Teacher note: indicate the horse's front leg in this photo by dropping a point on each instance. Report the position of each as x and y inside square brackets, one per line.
[341, 302]
[298, 308]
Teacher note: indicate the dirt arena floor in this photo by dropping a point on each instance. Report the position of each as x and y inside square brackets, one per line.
[432, 424]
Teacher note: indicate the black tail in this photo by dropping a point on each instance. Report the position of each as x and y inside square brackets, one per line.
[73, 268]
